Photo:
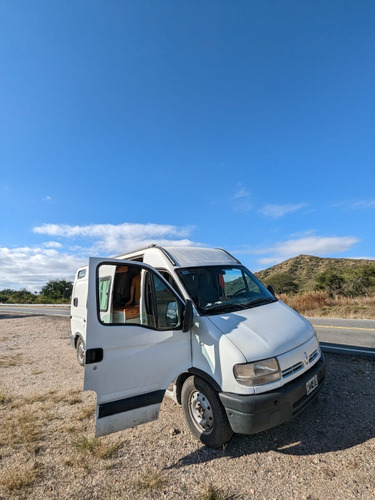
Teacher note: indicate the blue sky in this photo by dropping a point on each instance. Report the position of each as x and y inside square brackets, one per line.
[247, 125]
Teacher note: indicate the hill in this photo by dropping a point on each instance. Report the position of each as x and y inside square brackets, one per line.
[303, 269]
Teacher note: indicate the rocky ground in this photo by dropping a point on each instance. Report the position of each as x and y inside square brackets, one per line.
[48, 449]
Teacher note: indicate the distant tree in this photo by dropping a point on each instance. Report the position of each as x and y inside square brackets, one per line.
[22, 296]
[57, 290]
[360, 281]
[282, 283]
[5, 294]
[330, 281]
[351, 282]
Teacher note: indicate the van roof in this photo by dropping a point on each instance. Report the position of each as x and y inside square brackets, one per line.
[188, 256]
[196, 256]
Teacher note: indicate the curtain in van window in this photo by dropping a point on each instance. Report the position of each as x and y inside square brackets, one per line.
[104, 285]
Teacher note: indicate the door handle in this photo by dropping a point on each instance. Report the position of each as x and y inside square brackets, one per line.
[94, 355]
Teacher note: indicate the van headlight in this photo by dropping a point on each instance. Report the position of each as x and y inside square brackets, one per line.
[258, 373]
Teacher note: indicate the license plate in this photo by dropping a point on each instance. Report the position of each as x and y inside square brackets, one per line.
[312, 384]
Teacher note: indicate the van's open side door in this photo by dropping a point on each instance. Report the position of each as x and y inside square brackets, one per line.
[135, 345]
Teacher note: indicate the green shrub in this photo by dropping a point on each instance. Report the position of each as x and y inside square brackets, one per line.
[282, 283]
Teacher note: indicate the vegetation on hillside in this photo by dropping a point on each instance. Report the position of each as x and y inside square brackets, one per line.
[305, 273]
[317, 286]
[53, 292]
[304, 270]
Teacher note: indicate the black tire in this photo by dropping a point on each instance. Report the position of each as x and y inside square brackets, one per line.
[80, 349]
[204, 413]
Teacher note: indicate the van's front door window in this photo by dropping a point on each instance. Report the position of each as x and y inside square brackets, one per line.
[134, 295]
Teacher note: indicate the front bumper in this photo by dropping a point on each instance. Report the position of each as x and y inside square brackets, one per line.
[249, 414]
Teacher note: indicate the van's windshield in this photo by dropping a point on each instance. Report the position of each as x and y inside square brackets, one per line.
[220, 289]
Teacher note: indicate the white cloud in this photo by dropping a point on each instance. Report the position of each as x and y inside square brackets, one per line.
[240, 200]
[355, 205]
[241, 193]
[32, 267]
[115, 239]
[364, 204]
[276, 211]
[303, 234]
[270, 261]
[313, 245]
[52, 244]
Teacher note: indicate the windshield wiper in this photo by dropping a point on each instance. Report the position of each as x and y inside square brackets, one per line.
[260, 301]
[224, 308]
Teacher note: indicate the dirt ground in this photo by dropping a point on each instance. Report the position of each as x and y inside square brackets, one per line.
[48, 449]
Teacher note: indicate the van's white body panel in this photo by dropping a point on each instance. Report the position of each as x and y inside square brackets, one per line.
[270, 328]
[139, 361]
[78, 316]
[215, 354]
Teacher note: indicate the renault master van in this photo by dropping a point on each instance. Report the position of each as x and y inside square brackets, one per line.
[78, 315]
[193, 324]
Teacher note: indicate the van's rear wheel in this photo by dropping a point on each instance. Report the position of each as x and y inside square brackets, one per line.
[204, 413]
[80, 348]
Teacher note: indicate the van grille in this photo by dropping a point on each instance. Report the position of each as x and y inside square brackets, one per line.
[298, 366]
[292, 369]
[313, 355]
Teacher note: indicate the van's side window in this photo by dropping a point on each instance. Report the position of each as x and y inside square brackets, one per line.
[252, 286]
[135, 295]
[170, 280]
[166, 304]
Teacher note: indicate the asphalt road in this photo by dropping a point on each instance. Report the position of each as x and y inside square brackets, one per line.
[359, 332]
[46, 310]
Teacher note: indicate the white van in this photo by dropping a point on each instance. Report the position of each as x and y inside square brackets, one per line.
[78, 314]
[195, 324]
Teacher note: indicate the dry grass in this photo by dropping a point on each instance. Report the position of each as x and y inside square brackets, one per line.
[211, 492]
[25, 429]
[87, 412]
[5, 398]
[21, 476]
[21, 432]
[26, 426]
[9, 360]
[320, 304]
[151, 480]
[94, 447]
[21, 428]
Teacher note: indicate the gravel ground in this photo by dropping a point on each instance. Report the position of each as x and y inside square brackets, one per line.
[48, 449]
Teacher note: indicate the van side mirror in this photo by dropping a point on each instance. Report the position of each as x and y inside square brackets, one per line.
[188, 316]
[271, 289]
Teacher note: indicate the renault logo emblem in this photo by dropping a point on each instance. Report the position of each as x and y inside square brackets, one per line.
[306, 358]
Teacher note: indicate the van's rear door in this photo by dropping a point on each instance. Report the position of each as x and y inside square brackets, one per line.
[135, 345]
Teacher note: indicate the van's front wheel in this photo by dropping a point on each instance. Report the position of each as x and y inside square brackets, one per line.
[204, 413]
